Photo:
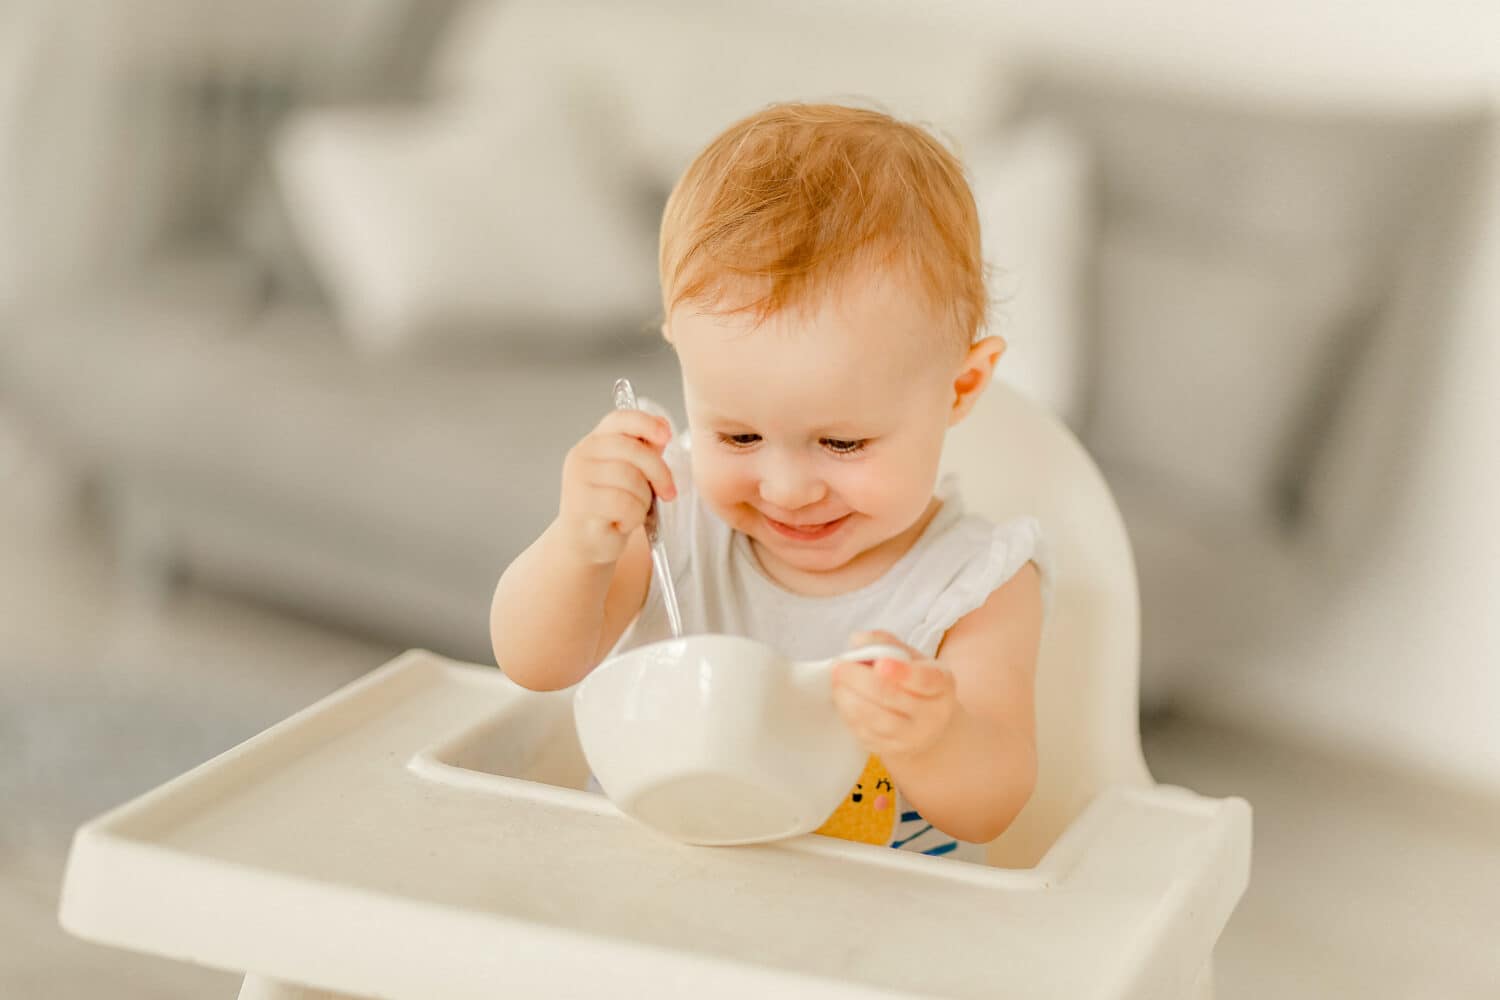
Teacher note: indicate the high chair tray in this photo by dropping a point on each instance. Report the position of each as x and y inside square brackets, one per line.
[379, 843]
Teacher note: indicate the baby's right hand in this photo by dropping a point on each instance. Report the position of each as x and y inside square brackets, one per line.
[608, 478]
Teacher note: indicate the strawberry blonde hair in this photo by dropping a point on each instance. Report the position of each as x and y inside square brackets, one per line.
[796, 198]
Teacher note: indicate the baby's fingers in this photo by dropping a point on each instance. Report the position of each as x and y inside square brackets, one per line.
[924, 679]
[620, 476]
[868, 718]
[862, 682]
[642, 456]
[619, 510]
[638, 424]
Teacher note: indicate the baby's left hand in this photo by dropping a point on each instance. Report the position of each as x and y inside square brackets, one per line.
[894, 708]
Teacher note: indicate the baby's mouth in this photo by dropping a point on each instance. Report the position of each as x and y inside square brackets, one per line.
[806, 532]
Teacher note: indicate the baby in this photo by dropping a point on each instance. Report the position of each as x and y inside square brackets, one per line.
[824, 291]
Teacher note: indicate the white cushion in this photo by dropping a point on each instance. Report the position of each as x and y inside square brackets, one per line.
[1031, 185]
[486, 223]
[1210, 357]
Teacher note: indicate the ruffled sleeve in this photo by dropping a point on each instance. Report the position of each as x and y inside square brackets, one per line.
[999, 552]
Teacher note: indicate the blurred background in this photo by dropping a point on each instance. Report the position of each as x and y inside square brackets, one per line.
[302, 303]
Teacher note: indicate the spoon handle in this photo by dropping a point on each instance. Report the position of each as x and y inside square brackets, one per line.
[625, 400]
[869, 654]
[814, 676]
[624, 396]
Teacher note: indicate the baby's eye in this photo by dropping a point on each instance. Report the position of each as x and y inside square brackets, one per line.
[842, 447]
[884, 783]
[739, 440]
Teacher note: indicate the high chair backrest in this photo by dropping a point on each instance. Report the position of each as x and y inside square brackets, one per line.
[1013, 457]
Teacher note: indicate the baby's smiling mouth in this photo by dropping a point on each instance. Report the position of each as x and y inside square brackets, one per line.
[807, 532]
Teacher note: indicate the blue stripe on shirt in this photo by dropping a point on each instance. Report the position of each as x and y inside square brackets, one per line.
[908, 840]
[912, 817]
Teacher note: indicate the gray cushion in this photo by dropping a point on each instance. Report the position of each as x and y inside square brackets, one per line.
[1239, 245]
[1214, 579]
[1246, 253]
[1249, 171]
[1211, 356]
[454, 464]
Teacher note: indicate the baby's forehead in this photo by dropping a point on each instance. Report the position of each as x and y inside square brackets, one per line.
[788, 411]
[862, 351]
[795, 380]
[858, 316]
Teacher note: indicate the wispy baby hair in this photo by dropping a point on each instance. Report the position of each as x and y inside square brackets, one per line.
[787, 203]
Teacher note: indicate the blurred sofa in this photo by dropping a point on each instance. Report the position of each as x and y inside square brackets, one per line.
[346, 381]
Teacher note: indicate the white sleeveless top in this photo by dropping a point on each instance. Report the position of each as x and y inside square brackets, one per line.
[952, 568]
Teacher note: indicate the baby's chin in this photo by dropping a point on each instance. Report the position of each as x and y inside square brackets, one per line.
[804, 559]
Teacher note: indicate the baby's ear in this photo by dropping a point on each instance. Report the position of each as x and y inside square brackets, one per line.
[974, 375]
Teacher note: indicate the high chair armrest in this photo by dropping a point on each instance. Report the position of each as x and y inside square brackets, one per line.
[1189, 853]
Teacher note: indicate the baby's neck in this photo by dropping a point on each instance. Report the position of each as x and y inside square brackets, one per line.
[861, 571]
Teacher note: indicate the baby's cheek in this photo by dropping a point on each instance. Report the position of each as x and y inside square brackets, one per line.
[892, 502]
[722, 488]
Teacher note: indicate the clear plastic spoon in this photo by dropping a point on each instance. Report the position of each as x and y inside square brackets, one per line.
[625, 400]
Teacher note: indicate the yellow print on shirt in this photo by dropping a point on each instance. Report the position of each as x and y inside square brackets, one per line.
[868, 814]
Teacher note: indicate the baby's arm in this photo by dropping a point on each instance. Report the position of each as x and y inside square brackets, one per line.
[553, 617]
[565, 601]
[974, 767]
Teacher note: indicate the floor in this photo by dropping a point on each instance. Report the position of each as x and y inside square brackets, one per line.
[1365, 884]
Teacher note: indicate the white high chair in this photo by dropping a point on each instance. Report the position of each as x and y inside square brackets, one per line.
[418, 834]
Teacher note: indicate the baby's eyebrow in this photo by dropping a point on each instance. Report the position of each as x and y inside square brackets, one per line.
[715, 418]
[843, 429]
[823, 434]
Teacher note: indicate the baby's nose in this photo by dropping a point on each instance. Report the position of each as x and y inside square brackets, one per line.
[790, 492]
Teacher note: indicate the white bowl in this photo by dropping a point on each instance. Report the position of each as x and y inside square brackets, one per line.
[719, 739]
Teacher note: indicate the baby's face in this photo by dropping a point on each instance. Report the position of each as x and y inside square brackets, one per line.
[818, 435]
